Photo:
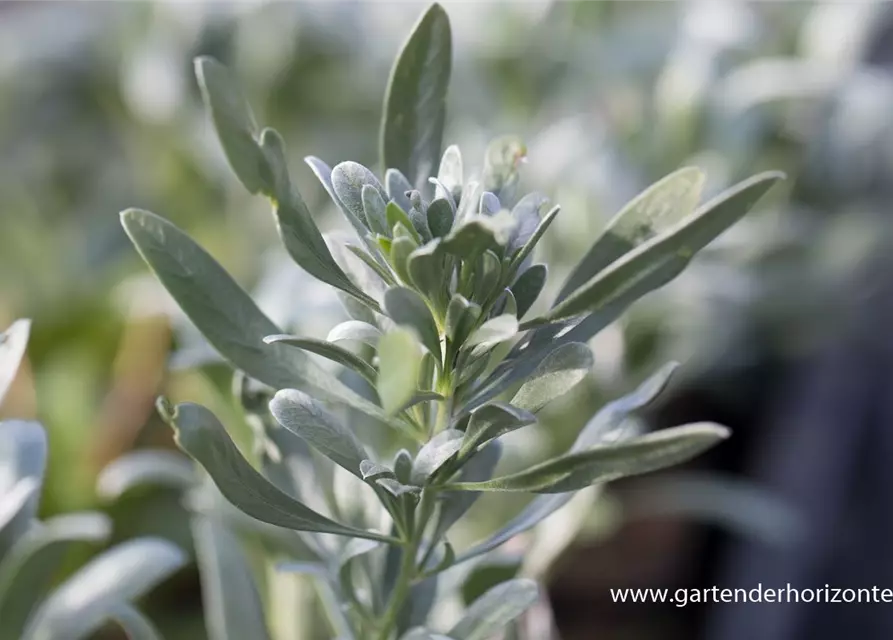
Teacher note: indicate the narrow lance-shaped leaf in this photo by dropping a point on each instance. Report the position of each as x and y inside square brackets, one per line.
[226, 315]
[556, 374]
[234, 123]
[299, 233]
[528, 286]
[123, 574]
[134, 624]
[573, 471]
[145, 467]
[494, 610]
[614, 413]
[308, 419]
[329, 351]
[12, 349]
[399, 360]
[202, 436]
[652, 212]
[232, 605]
[355, 330]
[415, 99]
[668, 254]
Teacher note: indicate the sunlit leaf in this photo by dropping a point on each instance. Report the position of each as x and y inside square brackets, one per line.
[308, 419]
[415, 99]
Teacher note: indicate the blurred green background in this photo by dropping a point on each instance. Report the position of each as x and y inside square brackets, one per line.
[99, 111]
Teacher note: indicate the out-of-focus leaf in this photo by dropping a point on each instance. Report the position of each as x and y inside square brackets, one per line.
[28, 569]
[421, 633]
[406, 308]
[399, 360]
[502, 160]
[415, 99]
[226, 315]
[23, 455]
[122, 574]
[540, 507]
[575, 470]
[490, 613]
[135, 625]
[234, 122]
[200, 434]
[527, 213]
[450, 173]
[652, 212]
[356, 331]
[152, 467]
[232, 605]
[556, 374]
[490, 204]
[329, 351]
[13, 342]
[488, 276]
[16, 510]
[308, 419]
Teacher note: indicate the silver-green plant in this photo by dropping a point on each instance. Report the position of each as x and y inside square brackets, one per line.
[440, 348]
[32, 551]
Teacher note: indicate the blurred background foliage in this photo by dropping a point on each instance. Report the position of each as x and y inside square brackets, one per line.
[99, 111]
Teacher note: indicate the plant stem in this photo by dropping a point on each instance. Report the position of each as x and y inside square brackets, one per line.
[408, 568]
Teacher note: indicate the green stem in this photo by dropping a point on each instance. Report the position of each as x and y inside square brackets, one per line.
[408, 569]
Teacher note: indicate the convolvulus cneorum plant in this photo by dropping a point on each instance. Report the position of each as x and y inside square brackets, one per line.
[32, 551]
[438, 285]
